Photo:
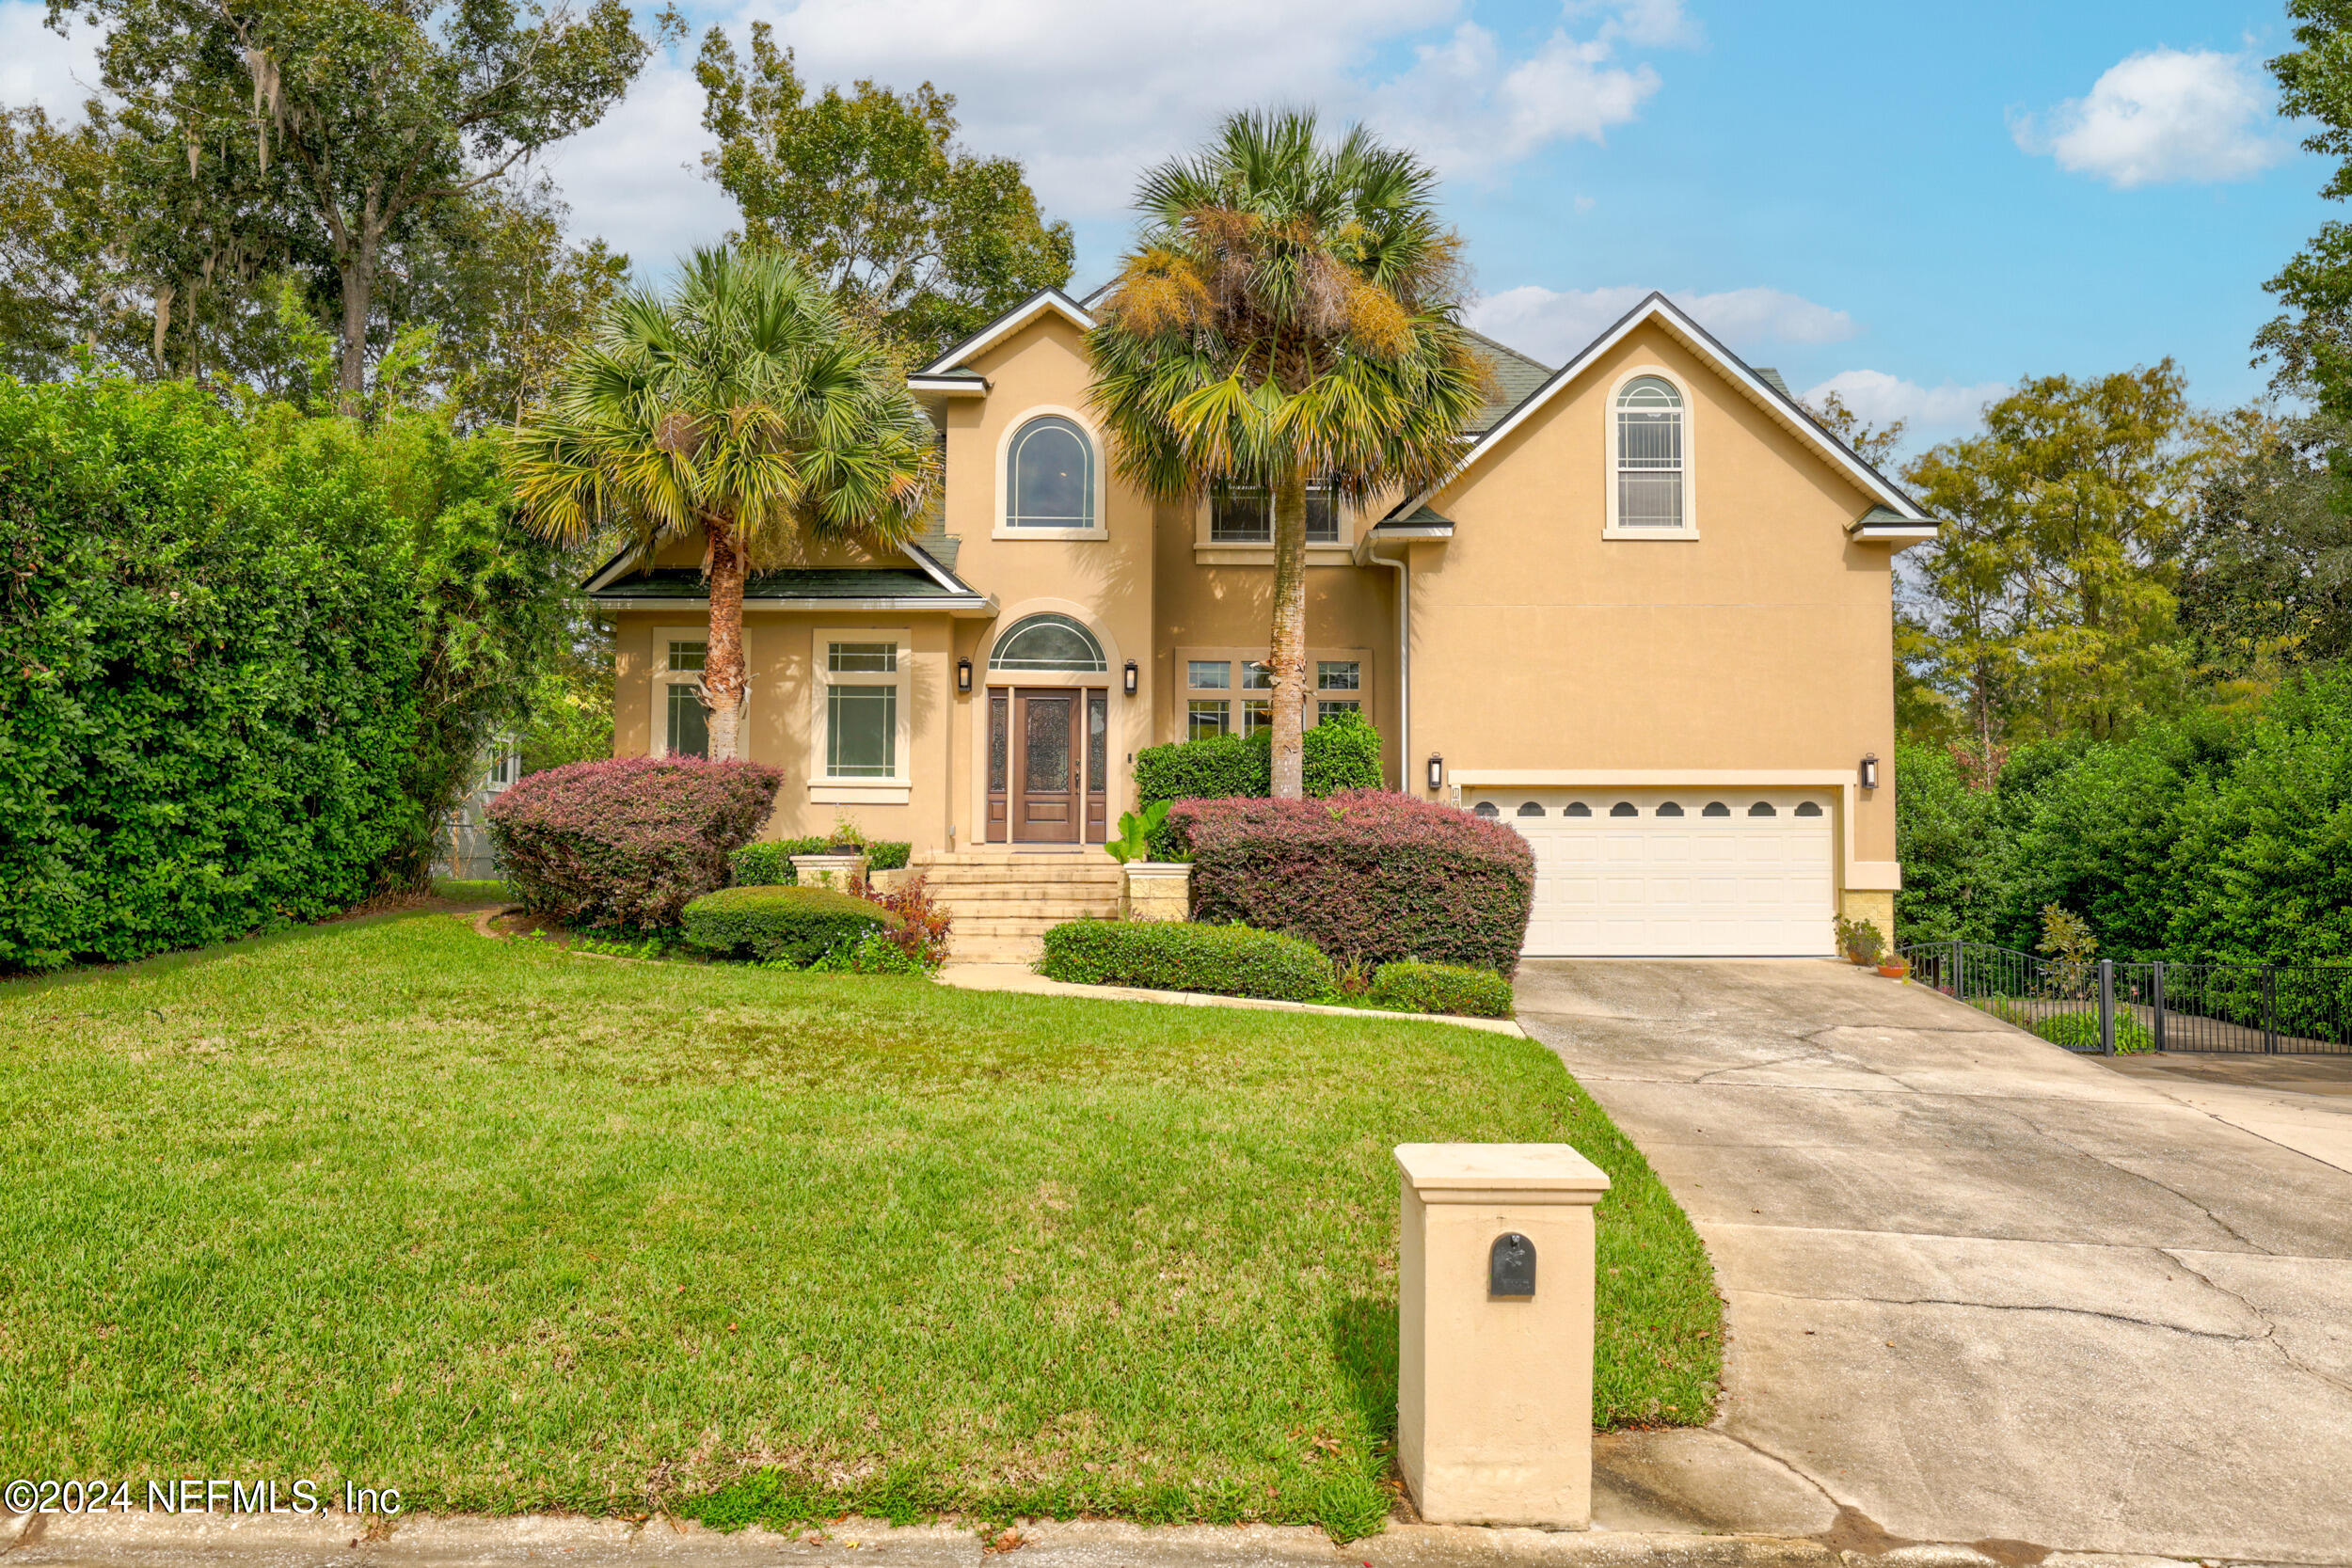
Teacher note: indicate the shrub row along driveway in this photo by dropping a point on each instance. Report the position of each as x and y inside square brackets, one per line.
[1979, 1289]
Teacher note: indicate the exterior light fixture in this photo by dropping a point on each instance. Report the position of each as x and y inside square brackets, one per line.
[964, 676]
[1436, 771]
[1131, 677]
[1871, 771]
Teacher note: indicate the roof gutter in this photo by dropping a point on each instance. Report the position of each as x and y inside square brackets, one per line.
[958, 604]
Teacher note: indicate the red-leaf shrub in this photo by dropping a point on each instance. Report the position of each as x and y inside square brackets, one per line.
[1368, 877]
[628, 842]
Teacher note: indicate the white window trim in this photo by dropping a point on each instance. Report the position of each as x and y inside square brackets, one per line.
[1609, 529]
[898, 789]
[1207, 551]
[1367, 676]
[658, 729]
[1002, 527]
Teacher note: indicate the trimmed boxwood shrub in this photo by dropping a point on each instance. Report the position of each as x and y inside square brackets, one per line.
[631, 840]
[1368, 877]
[1418, 988]
[797, 924]
[768, 863]
[1230, 961]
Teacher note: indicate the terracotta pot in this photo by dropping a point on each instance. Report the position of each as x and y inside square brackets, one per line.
[1895, 970]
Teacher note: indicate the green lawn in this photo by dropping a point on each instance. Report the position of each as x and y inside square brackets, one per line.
[510, 1229]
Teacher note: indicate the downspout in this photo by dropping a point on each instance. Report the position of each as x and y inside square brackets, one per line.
[1404, 662]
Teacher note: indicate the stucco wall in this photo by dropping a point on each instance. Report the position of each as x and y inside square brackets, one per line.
[1765, 642]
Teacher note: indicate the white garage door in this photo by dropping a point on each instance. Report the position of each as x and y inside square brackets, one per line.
[1663, 872]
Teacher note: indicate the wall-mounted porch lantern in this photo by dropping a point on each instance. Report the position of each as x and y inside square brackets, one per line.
[964, 676]
[1131, 677]
[1871, 771]
[1436, 771]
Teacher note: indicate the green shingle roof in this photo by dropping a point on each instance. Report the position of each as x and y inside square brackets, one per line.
[1514, 376]
[687, 582]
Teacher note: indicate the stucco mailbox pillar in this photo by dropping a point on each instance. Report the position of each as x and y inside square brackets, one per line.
[1495, 1333]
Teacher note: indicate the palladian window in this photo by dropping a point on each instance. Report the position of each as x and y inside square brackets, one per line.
[1649, 454]
[1049, 478]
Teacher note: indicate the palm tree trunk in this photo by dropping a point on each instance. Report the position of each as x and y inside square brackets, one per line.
[723, 678]
[1288, 653]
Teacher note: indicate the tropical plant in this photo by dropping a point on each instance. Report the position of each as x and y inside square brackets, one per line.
[739, 408]
[2066, 938]
[1136, 829]
[1290, 315]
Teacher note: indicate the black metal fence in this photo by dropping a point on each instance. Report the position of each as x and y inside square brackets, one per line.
[2101, 1007]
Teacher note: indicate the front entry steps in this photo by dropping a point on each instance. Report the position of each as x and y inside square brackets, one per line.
[1003, 900]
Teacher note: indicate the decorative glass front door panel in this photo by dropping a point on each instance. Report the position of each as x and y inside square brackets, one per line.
[1048, 764]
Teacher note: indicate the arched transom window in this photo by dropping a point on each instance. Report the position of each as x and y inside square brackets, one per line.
[1650, 446]
[1048, 642]
[1049, 476]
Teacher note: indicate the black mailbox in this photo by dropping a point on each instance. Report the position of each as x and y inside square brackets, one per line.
[1511, 1266]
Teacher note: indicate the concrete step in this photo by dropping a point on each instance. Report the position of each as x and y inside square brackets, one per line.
[973, 916]
[979, 874]
[1088, 854]
[1016, 926]
[994, 950]
[1017, 893]
[1073, 883]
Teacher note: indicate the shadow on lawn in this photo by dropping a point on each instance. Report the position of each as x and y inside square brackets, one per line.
[1363, 1344]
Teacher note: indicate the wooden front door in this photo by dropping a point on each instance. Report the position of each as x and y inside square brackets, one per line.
[1046, 765]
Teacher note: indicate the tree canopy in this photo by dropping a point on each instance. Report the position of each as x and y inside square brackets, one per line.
[869, 191]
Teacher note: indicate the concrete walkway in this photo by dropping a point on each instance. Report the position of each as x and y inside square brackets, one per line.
[1980, 1291]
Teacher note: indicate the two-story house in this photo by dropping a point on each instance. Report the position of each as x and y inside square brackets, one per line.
[1647, 620]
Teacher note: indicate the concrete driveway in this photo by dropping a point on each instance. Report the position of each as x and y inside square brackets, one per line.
[1981, 1289]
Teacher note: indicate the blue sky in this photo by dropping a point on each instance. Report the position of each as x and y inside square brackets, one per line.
[1916, 204]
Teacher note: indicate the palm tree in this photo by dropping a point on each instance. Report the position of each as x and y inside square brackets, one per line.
[1289, 315]
[740, 406]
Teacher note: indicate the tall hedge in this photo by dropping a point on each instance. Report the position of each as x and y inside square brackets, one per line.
[1366, 875]
[208, 677]
[2215, 836]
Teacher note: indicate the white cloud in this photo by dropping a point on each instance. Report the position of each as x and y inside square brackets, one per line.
[1087, 95]
[1553, 325]
[1653, 23]
[1933, 412]
[39, 67]
[636, 179]
[2164, 115]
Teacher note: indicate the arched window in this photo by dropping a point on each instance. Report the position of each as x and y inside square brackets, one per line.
[1810, 809]
[1649, 454]
[1762, 807]
[1048, 642]
[1531, 808]
[1716, 808]
[1577, 808]
[1669, 808]
[1487, 809]
[1624, 808]
[1049, 476]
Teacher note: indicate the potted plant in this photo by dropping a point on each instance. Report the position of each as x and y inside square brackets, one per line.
[1862, 943]
[1895, 968]
[1149, 888]
[840, 864]
[848, 837]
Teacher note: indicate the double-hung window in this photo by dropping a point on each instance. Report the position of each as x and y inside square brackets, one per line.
[681, 724]
[1651, 458]
[862, 707]
[1244, 514]
[1338, 686]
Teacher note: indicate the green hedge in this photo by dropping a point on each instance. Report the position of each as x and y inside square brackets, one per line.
[1341, 752]
[210, 661]
[796, 924]
[1420, 988]
[770, 863]
[1230, 961]
[2216, 836]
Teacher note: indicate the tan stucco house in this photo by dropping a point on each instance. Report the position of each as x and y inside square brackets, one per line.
[1647, 621]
